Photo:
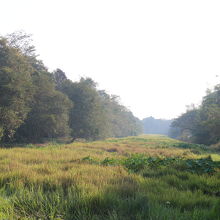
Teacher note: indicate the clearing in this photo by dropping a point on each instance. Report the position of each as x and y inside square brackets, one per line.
[134, 178]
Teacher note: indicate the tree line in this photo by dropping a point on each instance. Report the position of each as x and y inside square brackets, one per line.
[200, 124]
[36, 104]
[152, 125]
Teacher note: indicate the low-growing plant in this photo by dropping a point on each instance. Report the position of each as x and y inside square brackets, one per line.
[90, 160]
[109, 162]
[201, 166]
[135, 162]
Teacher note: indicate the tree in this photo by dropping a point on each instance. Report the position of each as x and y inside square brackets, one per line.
[30, 107]
[156, 126]
[59, 78]
[189, 125]
[21, 41]
[49, 116]
[87, 116]
[15, 89]
[203, 123]
[36, 104]
[121, 122]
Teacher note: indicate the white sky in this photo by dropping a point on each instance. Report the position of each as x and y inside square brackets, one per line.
[158, 56]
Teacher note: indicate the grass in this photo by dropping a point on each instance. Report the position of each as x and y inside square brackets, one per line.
[93, 181]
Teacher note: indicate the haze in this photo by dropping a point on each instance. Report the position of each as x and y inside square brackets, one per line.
[158, 56]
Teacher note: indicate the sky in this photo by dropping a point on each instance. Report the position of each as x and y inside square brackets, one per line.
[158, 56]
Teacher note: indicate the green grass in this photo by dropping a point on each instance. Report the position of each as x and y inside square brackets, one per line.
[134, 178]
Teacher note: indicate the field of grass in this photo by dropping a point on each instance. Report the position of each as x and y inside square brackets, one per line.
[134, 178]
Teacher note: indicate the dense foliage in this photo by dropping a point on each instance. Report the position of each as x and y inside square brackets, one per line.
[138, 162]
[200, 124]
[36, 104]
[15, 89]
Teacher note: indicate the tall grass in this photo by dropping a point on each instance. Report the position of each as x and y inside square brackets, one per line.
[55, 182]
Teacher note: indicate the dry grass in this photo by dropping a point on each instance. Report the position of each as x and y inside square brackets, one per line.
[30, 177]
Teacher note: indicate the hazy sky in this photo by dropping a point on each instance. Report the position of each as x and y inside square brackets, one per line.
[158, 55]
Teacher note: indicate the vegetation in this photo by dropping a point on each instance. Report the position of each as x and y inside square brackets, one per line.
[123, 178]
[36, 105]
[144, 177]
[200, 124]
[156, 126]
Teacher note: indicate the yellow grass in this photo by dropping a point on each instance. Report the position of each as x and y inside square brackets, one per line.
[53, 167]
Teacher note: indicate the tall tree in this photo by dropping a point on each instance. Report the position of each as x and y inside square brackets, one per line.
[15, 89]
[121, 122]
[49, 116]
[30, 106]
[202, 123]
[59, 78]
[87, 117]
[36, 104]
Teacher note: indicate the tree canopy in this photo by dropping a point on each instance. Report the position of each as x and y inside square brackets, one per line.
[36, 104]
[201, 124]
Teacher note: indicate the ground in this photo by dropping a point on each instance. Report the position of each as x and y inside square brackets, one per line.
[133, 178]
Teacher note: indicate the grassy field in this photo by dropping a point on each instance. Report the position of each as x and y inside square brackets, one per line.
[135, 178]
